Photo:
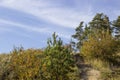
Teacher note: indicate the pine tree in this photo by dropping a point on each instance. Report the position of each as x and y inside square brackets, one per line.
[116, 27]
[100, 22]
[59, 60]
[80, 35]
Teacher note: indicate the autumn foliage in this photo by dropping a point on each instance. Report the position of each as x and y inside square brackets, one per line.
[97, 43]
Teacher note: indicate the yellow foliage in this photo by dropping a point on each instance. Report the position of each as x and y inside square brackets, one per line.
[26, 63]
[99, 45]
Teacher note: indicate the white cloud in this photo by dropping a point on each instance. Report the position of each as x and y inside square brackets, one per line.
[11, 25]
[67, 17]
[50, 12]
[25, 27]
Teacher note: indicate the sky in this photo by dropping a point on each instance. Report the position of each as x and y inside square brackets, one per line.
[29, 23]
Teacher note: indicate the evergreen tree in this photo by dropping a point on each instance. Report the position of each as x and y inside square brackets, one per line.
[116, 27]
[80, 35]
[100, 22]
[59, 60]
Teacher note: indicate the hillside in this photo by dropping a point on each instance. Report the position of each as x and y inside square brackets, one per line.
[93, 54]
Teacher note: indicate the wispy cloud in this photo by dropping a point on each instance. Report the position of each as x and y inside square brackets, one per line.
[49, 11]
[28, 28]
[25, 27]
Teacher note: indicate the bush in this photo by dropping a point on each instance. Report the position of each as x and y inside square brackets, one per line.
[23, 65]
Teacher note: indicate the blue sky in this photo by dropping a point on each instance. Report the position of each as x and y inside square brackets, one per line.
[31, 22]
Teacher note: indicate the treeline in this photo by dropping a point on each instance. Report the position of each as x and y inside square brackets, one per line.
[97, 43]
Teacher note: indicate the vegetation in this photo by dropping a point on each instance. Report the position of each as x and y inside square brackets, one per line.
[100, 47]
[59, 60]
[54, 63]
[22, 65]
[97, 43]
